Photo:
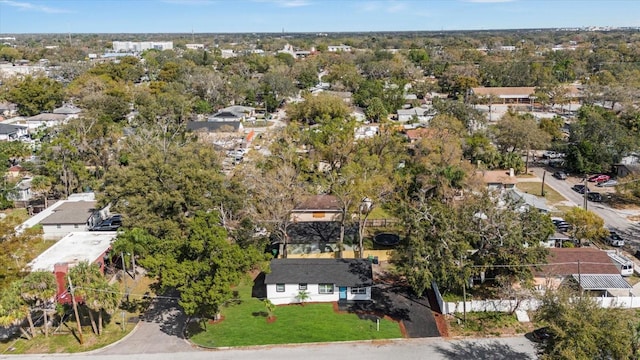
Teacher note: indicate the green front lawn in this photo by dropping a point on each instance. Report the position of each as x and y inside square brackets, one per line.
[534, 188]
[246, 324]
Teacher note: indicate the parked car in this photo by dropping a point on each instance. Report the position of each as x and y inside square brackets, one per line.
[594, 196]
[599, 178]
[560, 175]
[552, 155]
[580, 188]
[614, 239]
[608, 183]
[542, 334]
[561, 225]
[110, 224]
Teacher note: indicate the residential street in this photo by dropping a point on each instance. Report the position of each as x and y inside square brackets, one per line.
[428, 348]
[614, 219]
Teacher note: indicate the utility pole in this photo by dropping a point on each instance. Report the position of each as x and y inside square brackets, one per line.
[75, 310]
[543, 176]
[464, 295]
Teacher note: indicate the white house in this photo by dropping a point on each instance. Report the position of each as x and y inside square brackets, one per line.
[10, 132]
[71, 216]
[323, 280]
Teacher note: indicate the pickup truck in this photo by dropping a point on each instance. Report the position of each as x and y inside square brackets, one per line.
[614, 239]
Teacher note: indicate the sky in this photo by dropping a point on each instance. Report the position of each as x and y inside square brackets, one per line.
[248, 16]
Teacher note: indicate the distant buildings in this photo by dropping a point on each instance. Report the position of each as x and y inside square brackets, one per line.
[338, 48]
[139, 46]
[195, 46]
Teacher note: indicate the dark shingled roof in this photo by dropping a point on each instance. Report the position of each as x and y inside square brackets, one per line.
[341, 272]
[75, 212]
[213, 126]
[319, 203]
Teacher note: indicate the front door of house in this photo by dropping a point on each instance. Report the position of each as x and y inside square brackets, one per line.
[343, 292]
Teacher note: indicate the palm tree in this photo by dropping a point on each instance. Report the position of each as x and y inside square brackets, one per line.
[84, 277]
[13, 309]
[98, 296]
[106, 299]
[38, 289]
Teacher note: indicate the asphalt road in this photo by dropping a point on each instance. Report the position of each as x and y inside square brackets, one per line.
[614, 219]
[407, 349]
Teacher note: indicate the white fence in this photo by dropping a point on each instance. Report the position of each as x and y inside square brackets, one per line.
[530, 304]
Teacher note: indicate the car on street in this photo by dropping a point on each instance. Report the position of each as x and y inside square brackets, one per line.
[608, 183]
[552, 155]
[599, 178]
[560, 175]
[614, 239]
[579, 188]
[594, 196]
[560, 224]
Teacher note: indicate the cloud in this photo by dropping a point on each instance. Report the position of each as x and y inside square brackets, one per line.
[33, 7]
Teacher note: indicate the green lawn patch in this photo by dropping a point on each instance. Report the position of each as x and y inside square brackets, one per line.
[534, 188]
[486, 324]
[246, 324]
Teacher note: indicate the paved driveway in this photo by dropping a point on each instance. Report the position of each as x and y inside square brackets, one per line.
[159, 331]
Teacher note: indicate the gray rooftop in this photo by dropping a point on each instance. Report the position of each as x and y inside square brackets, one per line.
[76, 212]
[601, 282]
[10, 129]
[340, 272]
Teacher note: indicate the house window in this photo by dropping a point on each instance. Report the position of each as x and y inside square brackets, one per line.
[359, 291]
[325, 288]
[279, 287]
[59, 226]
[76, 226]
[302, 286]
[319, 215]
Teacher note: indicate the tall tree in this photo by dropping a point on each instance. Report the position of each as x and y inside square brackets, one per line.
[515, 133]
[35, 95]
[38, 289]
[586, 225]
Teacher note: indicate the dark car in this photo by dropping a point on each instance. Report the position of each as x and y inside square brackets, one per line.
[110, 224]
[562, 225]
[560, 175]
[614, 239]
[579, 188]
[542, 334]
[594, 196]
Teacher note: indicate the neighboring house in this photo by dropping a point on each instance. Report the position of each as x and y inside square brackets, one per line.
[72, 249]
[69, 217]
[44, 120]
[591, 268]
[366, 132]
[419, 114]
[498, 180]
[22, 191]
[506, 95]
[69, 110]
[415, 135]
[528, 201]
[338, 48]
[215, 126]
[14, 172]
[623, 170]
[10, 132]
[8, 109]
[244, 111]
[323, 280]
[317, 208]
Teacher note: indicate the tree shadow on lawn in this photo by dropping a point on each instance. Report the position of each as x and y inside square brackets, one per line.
[259, 289]
[485, 351]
